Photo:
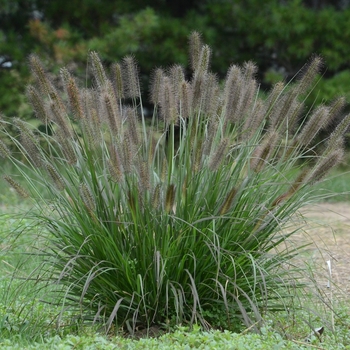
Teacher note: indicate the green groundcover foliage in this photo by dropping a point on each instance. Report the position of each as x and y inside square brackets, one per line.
[177, 340]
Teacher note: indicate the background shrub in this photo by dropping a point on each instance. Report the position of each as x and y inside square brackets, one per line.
[279, 35]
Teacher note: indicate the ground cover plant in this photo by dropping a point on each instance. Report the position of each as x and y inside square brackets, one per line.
[176, 220]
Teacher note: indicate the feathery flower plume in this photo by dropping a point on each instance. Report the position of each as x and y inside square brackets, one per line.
[185, 100]
[336, 107]
[95, 122]
[255, 120]
[40, 74]
[55, 176]
[97, 69]
[110, 89]
[247, 99]
[23, 127]
[87, 199]
[75, 99]
[4, 151]
[249, 70]
[16, 186]
[66, 146]
[164, 172]
[115, 164]
[56, 99]
[263, 152]
[272, 99]
[317, 121]
[61, 119]
[44, 83]
[152, 146]
[156, 196]
[144, 175]
[184, 189]
[210, 94]
[325, 164]
[131, 119]
[228, 201]
[197, 87]
[197, 155]
[157, 86]
[130, 71]
[195, 44]
[170, 198]
[211, 133]
[45, 86]
[204, 60]
[218, 156]
[286, 111]
[334, 143]
[311, 71]
[91, 102]
[167, 104]
[37, 104]
[29, 142]
[65, 76]
[287, 114]
[117, 78]
[337, 135]
[88, 134]
[128, 152]
[232, 93]
[112, 112]
[177, 76]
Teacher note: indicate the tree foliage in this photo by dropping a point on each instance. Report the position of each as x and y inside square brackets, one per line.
[278, 35]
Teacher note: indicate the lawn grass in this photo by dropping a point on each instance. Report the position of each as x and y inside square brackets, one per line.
[26, 323]
[336, 187]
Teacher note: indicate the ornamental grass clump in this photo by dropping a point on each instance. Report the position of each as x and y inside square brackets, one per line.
[177, 219]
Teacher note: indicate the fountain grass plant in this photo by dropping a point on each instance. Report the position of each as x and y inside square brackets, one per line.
[179, 219]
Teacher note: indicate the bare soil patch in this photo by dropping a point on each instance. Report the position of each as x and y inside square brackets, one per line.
[328, 228]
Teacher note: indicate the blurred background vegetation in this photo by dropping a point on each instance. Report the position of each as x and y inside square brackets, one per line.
[279, 35]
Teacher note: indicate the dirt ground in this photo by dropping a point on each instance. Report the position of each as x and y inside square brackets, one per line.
[328, 228]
